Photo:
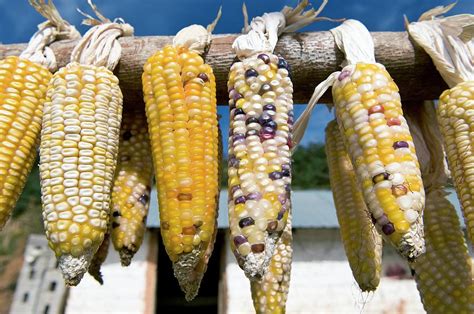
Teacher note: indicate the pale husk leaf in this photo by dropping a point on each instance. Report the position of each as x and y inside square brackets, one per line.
[100, 46]
[355, 41]
[449, 42]
[261, 35]
[196, 37]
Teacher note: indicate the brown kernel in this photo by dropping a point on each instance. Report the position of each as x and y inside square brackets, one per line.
[165, 225]
[393, 121]
[189, 230]
[376, 109]
[185, 197]
[399, 190]
[272, 226]
[258, 248]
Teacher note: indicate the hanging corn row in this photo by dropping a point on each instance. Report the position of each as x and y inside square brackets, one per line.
[454, 59]
[96, 171]
[79, 145]
[132, 185]
[362, 243]
[179, 89]
[261, 120]
[23, 84]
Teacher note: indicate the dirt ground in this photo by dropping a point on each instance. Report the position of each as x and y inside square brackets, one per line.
[9, 275]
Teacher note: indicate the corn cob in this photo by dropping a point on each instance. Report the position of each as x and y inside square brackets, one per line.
[191, 284]
[23, 85]
[380, 146]
[99, 258]
[79, 146]
[269, 295]
[259, 168]
[132, 186]
[455, 119]
[180, 100]
[362, 243]
[260, 138]
[444, 273]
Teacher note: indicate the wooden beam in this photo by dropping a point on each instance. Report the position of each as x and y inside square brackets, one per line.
[312, 56]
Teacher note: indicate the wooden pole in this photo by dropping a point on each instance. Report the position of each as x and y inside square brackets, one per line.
[312, 57]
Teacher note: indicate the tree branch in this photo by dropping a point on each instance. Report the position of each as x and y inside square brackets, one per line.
[312, 56]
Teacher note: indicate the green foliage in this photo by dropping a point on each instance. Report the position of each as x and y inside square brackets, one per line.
[26, 217]
[310, 169]
[31, 195]
[223, 175]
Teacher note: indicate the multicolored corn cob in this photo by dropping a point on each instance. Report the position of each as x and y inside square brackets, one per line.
[362, 243]
[444, 273]
[261, 119]
[79, 145]
[380, 146]
[271, 292]
[99, 258]
[23, 86]
[456, 120]
[180, 100]
[132, 185]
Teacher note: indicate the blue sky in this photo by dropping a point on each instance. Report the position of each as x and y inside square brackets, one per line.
[157, 17]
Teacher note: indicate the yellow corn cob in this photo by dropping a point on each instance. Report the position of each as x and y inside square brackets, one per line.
[180, 99]
[190, 284]
[378, 140]
[271, 292]
[79, 144]
[23, 87]
[456, 119]
[444, 273]
[261, 118]
[362, 243]
[99, 258]
[132, 186]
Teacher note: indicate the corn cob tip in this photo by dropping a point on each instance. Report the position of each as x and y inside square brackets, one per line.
[73, 268]
[412, 244]
[185, 271]
[256, 265]
[126, 256]
[94, 271]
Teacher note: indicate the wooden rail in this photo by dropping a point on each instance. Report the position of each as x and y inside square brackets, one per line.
[312, 56]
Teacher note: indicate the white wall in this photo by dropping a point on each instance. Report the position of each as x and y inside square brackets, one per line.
[322, 282]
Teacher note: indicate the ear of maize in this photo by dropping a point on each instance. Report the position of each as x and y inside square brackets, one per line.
[444, 273]
[456, 118]
[79, 144]
[380, 146]
[269, 294]
[261, 118]
[180, 99]
[23, 87]
[132, 186]
[99, 258]
[362, 243]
